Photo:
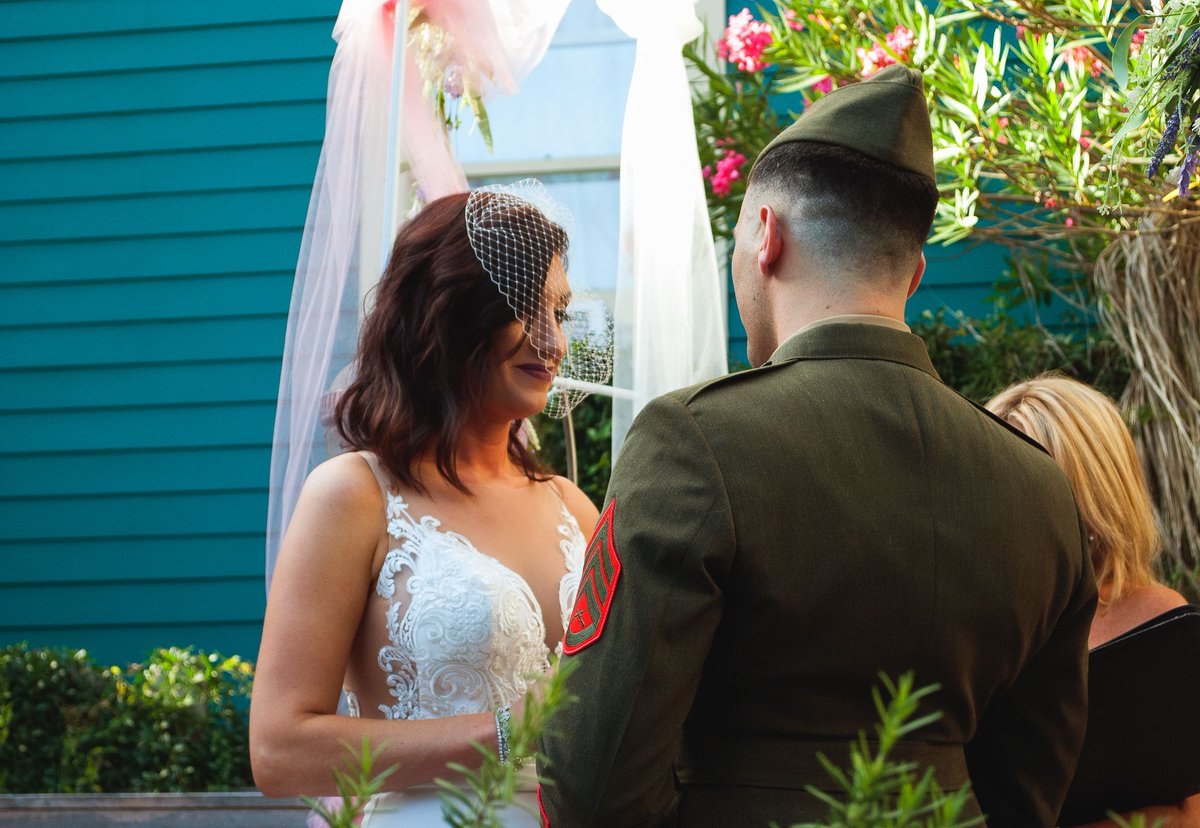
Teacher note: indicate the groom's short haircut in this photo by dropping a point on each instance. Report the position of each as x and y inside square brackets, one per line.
[849, 211]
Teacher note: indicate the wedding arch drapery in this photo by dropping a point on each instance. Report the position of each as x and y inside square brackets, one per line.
[341, 251]
[670, 311]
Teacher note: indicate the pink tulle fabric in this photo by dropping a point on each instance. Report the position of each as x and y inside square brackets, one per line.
[343, 234]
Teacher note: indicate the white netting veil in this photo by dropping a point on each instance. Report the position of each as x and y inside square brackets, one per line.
[520, 235]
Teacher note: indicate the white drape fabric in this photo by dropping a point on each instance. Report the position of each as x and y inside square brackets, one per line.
[670, 318]
[343, 229]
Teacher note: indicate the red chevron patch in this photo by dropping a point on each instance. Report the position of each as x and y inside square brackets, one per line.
[597, 583]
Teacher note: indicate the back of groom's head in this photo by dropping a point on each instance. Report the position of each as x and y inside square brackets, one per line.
[854, 177]
[849, 212]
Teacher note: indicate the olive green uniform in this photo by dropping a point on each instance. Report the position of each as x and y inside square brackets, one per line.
[775, 539]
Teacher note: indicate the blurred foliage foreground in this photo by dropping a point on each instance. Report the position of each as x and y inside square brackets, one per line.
[177, 722]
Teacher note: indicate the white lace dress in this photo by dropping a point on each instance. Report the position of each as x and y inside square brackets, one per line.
[459, 633]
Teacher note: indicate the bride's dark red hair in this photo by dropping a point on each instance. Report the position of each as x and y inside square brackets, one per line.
[425, 349]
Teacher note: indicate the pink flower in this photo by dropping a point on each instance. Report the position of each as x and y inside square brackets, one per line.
[789, 16]
[1081, 57]
[1084, 141]
[899, 41]
[1135, 44]
[744, 41]
[1070, 222]
[333, 804]
[728, 171]
[1051, 203]
[824, 86]
[1021, 30]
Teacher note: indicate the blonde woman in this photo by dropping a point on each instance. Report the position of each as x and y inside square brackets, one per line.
[1083, 431]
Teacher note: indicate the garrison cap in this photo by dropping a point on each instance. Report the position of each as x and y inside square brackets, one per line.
[883, 117]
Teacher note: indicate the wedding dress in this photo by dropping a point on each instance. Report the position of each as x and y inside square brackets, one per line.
[458, 632]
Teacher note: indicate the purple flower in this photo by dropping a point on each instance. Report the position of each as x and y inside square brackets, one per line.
[1182, 59]
[1166, 142]
[452, 81]
[1189, 160]
[1185, 174]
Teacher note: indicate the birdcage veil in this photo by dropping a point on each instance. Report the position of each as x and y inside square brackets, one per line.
[521, 235]
[496, 44]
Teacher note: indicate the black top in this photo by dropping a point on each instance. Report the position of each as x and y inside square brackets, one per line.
[1143, 735]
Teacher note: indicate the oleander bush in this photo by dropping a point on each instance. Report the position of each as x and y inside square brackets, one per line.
[1067, 133]
[176, 722]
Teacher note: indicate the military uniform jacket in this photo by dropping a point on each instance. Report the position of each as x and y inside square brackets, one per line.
[771, 542]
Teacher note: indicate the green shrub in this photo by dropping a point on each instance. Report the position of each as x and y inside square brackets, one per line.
[979, 357]
[592, 420]
[174, 723]
[49, 701]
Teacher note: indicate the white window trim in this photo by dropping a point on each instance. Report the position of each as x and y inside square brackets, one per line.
[712, 15]
[543, 166]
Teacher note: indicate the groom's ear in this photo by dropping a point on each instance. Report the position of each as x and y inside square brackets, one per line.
[918, 272]
[770, 246]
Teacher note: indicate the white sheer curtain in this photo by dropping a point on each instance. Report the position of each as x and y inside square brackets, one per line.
[670, 324]
[343, 233]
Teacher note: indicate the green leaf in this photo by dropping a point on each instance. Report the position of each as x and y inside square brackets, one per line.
[1120, 58]
[481, 118]
[1136, 119]
[957, 108]
[979, 83]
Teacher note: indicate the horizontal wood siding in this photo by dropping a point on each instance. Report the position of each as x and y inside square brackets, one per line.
[155, 166]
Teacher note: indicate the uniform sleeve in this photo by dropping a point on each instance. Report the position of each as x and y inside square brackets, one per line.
[649, 602]
[1023, 757]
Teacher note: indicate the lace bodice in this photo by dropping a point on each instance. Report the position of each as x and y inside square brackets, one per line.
[463, 631]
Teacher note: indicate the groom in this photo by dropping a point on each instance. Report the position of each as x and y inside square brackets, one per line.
[775, 539]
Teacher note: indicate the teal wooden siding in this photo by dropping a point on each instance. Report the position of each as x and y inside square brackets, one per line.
[155, 165]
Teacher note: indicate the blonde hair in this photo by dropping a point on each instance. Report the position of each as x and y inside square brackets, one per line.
[1084, 432]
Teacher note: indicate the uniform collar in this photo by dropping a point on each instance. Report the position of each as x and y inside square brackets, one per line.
[856, 318]
[840, 339]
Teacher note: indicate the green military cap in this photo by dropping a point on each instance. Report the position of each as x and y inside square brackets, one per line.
[884, 117]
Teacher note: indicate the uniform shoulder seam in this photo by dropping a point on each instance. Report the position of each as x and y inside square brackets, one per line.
[695, 391]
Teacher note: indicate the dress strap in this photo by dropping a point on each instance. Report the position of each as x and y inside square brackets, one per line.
[381, 477]
[554, 488]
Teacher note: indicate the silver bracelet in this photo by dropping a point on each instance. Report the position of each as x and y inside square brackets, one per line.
[502, 728]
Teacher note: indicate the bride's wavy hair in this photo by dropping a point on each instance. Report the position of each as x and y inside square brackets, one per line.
[425, 349]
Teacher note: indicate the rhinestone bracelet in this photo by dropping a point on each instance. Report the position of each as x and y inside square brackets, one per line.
[502, 728]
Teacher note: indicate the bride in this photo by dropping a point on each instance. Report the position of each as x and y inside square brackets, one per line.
[427, 573]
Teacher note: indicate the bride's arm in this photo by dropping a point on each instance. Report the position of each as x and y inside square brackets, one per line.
[319, 588]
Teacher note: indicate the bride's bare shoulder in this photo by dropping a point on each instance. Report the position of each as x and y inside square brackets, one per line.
[342, 484]
[578, 504]
[336, 522]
